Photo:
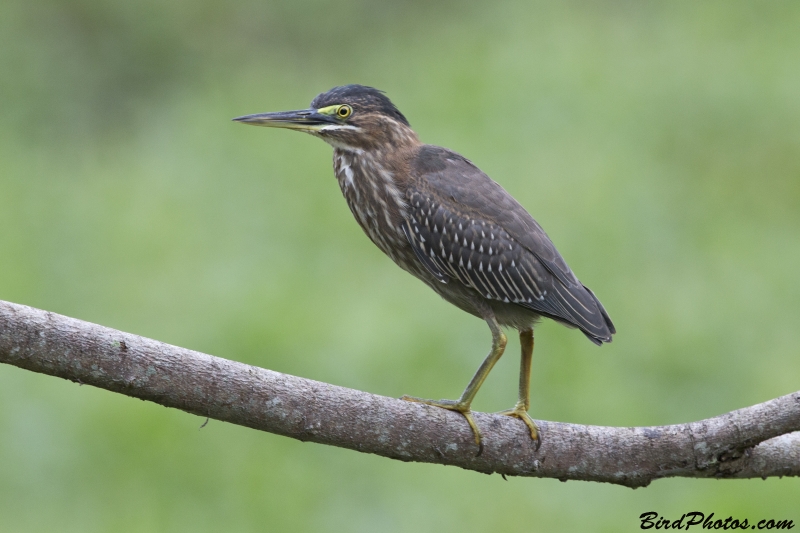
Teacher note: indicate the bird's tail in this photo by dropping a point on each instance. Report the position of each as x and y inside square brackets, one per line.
[599, 337]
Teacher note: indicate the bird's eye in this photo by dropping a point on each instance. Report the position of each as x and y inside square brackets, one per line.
[344, 111]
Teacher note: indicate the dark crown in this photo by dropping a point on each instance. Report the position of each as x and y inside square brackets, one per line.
[361, 98]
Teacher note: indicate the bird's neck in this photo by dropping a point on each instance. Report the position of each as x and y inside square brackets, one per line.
[371, 176]
[374, 185]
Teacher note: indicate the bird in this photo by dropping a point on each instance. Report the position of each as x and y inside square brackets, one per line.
[440, 218]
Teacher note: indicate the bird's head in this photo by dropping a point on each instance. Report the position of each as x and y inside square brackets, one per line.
[350, 117]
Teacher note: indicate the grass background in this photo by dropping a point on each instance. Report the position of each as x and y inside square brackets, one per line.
[658, 143]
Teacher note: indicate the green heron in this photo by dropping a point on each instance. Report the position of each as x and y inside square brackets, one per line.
[440, 218]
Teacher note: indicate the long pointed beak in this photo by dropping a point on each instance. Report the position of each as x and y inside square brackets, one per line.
[303, 120]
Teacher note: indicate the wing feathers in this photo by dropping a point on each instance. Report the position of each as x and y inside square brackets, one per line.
[465, 227]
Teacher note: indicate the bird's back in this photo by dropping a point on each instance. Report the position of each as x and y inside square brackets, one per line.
[466, 229]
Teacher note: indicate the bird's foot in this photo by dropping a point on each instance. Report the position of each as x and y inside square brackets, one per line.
[519, 411]
[454, 405]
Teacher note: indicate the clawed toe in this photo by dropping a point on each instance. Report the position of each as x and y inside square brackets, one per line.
[454, 405]
[522, 414]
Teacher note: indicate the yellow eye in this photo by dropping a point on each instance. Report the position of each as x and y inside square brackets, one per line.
[344, 111]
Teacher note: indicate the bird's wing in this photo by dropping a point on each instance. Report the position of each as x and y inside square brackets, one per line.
[465, 226]
[421, 251]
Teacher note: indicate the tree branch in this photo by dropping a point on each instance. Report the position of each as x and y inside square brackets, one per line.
[755, 441]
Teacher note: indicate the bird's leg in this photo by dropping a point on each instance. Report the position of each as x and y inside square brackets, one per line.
[523, 402]
[462, 405]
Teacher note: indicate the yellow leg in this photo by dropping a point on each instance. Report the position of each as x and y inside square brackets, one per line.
[462, 405]
[523, 402]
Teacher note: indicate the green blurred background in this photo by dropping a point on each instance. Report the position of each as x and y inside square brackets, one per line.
[658, 144]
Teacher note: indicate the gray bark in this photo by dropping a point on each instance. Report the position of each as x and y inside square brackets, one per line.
[756, 441]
